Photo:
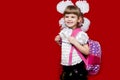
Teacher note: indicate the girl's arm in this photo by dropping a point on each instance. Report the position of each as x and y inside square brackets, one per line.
[83, 48]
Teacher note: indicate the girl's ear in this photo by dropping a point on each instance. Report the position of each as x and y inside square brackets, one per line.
[80, 19]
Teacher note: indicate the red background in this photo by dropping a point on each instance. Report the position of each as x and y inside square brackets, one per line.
[28, 28]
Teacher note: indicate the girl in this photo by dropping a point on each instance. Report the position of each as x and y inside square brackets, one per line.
[76, 69]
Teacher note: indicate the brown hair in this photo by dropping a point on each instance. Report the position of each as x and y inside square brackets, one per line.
[73, 10]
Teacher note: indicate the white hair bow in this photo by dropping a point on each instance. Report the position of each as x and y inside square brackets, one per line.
[62, 5]
[83, 5]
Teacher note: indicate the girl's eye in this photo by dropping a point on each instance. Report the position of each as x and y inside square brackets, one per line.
[66, 16]
[72, 17]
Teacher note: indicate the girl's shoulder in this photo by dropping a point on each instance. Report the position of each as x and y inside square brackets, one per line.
[82, 33]
[82, 37]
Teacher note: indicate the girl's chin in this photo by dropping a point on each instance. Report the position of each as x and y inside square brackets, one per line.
[70, 25]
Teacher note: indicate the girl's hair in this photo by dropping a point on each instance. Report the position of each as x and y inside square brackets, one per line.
[74, 10]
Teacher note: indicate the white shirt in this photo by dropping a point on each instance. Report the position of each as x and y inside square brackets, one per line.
[81, 37]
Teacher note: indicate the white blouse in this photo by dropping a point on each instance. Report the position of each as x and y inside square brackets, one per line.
[81, 37]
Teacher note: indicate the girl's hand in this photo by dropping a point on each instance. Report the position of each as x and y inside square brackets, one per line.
[57, 39]
[72, 40]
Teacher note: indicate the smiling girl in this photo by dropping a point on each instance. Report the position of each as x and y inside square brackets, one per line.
[74, 70]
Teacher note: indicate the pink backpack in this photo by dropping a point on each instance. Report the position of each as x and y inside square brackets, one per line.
[93, 60]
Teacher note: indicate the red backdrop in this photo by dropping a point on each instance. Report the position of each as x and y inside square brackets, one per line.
[28, 28]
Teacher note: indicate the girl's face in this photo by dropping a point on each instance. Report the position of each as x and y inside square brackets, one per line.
[71, 20]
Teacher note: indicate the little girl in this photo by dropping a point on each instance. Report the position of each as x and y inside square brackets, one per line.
[76, 69]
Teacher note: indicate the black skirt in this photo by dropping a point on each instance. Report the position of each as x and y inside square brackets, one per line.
[76, 72]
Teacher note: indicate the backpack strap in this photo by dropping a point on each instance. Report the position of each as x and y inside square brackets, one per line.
[81, 55]
[74, 34]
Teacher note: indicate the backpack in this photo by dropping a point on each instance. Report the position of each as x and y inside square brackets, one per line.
[93, 60]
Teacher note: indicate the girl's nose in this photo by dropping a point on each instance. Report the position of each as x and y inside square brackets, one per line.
[69, 18]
